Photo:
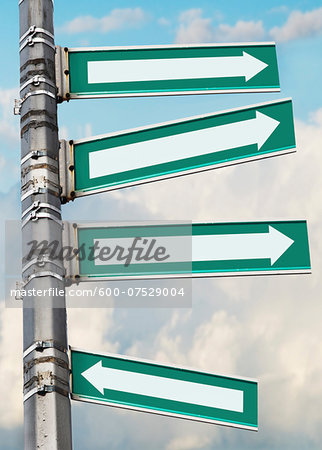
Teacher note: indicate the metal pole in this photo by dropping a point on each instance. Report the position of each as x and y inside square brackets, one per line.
[46, 370]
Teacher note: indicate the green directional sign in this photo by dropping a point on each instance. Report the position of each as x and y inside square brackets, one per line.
[151, 387]
[170, 70]
[183, 250]
[181, 147]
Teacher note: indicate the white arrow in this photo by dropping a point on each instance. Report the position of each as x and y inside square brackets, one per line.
[271, 245]
[221, 247]
[182, 146]
[246, 66]
[164, 388]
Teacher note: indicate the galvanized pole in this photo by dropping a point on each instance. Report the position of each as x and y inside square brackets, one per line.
[46, 371]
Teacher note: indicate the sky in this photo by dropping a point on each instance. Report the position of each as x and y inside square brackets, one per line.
[267, 328]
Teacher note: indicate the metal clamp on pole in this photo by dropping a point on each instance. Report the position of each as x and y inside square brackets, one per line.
[21, 1]
[40, 176]
[40, 262]
[35, 191]
[35, 215]
[35, 154]
[33, 30]
[37, 205]
[36, 80]
[66, 171]
[31, 41]
[28, 38]
[45, 389]
[38, 92]
[46, 273]
[40, 346]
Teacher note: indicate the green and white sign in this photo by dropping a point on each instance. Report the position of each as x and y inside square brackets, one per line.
[185, 250]
[151, 387]
[169, 70]
[181, 147]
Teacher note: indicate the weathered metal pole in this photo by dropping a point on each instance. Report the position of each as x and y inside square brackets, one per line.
[46, 371]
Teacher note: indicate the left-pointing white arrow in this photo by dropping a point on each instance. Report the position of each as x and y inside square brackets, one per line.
[181, 146]
[164, 388]
[246, 66]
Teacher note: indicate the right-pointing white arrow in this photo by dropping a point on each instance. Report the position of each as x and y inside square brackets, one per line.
[116, 71]
[252, 66]
[265, 126]
[211, 247]
[181, 146]
[225, 247]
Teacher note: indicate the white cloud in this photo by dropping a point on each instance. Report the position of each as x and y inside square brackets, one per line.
[88, 130]
[190, 442]
[279, 9]
[316, 117]
[95, 322]
[63, 132]
[241, 31]
[9, 139]
[195, 28]
[11, 405]
[84, 130]
[116, 20]
[164, 22]
[299, 25]
[9, 124]
[221, 331]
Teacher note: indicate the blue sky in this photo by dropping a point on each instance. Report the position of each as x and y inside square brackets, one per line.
[266, 328]
[298, 52]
